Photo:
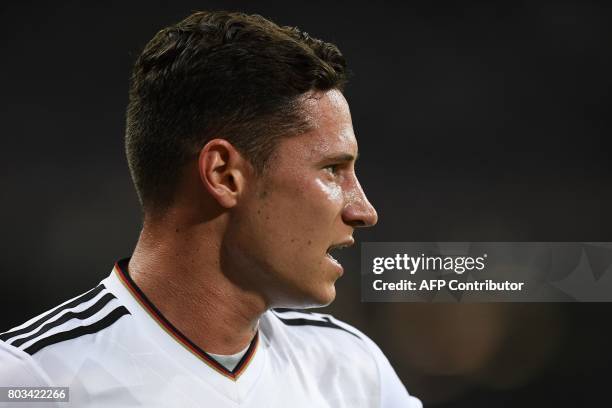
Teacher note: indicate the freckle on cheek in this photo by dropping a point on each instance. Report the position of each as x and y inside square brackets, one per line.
[309, 242]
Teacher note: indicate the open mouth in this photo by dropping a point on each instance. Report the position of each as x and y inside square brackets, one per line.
[334, 260]
[335, 249]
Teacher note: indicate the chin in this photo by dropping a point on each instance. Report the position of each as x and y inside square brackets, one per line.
[306, 299]
[322, 298]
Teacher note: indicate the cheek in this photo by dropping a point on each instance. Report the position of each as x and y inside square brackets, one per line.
[330, 190]
[300, 214]
[322, 198]
[314, 204]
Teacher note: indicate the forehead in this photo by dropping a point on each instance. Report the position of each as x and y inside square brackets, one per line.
[331, 131]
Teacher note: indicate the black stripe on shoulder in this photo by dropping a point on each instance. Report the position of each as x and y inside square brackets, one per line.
[108, 320]
[84, 314]
[81, 299]
[286, 310]
[319, 323]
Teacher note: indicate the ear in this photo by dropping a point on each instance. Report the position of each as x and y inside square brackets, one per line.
[223, 171]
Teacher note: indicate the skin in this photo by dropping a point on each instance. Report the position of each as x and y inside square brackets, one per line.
[236, 243]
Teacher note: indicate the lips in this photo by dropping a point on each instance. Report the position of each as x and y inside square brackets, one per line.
[339, 246]
[334, 260]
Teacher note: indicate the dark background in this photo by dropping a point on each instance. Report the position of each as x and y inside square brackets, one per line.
[477, 121]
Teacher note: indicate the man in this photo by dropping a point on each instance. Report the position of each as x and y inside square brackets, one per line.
[242, 151]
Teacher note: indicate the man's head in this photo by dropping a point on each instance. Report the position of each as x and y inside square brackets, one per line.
[219, 74]
[242, 126]
[307, 203]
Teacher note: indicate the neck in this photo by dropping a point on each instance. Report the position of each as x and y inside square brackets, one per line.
[178, 269]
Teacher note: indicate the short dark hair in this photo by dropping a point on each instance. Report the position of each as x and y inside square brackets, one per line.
[219, 74]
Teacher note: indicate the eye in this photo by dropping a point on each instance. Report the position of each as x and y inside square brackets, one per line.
[332, 169]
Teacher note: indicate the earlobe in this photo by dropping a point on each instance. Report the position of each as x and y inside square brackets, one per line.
[221, 169]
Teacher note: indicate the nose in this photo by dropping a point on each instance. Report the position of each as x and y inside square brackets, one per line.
[358, 211]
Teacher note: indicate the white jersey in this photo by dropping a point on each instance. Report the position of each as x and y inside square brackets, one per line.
[113, 348]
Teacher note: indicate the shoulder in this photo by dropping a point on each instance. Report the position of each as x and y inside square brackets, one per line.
[330, 341]
[316, 329]
[312, 338]
[315, 322]
[56, 342]
[19, 369]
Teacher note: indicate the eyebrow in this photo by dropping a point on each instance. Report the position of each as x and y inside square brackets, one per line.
[342, 157]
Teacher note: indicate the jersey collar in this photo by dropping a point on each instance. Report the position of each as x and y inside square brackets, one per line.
[121, 272]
